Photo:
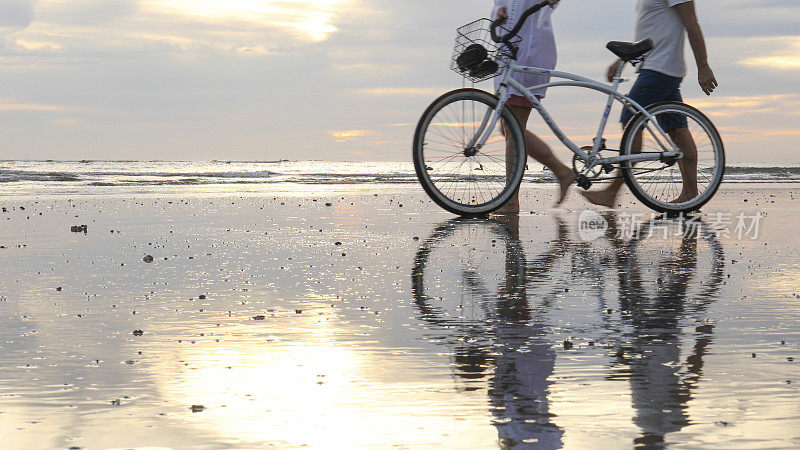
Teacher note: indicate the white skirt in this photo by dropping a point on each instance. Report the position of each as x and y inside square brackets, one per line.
[538, 46]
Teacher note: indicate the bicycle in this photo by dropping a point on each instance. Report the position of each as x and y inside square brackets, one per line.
[469, 152]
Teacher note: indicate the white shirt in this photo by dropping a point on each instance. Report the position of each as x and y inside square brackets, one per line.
[659, 21]
[538, 46]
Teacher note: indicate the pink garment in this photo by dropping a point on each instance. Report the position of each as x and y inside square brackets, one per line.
[516, 100]
[538, 46]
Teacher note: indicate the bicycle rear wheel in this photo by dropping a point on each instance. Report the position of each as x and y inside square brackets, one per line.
[459, 180]
[674, 186]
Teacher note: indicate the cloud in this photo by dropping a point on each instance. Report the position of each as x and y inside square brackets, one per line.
[402, 91]
[784, 54]
[775, 62]
[193, 78]
[15, 14]
[308, 19]
[742, 134]
[748, 105]
[69, 122]
[85, 13]
[10, 106]
[349, 135]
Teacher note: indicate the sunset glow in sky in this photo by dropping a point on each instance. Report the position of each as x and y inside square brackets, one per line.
[334, 79]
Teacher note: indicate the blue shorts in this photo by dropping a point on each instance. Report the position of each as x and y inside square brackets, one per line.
[653, 87]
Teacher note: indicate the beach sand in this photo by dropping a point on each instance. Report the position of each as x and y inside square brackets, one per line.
[365, 317]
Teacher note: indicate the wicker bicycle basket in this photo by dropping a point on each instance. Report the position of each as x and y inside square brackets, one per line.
[472, 40]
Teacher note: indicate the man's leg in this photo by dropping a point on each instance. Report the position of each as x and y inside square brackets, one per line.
[682, 137]
[608, 197]
[650, 87]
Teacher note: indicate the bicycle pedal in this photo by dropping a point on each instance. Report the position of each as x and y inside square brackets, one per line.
[583, 182]
[608, 167]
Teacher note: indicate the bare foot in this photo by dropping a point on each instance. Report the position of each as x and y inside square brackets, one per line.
[685, 197]
[510, 208]
[564, 183]
[602, 198]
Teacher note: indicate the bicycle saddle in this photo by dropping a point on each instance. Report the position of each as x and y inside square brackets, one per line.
[629, 51]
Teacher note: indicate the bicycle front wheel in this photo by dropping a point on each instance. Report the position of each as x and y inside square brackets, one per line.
[466, 181]
[677, 186]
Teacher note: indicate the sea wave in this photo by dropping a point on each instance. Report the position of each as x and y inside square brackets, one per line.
[25, 175]
[11, 176]
[161, 173]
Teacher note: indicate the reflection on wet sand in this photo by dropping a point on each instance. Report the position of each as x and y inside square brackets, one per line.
[661, 384]
[498, 331]
[303, 331]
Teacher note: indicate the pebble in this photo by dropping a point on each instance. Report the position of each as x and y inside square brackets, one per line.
[79, 229]
[148, 259]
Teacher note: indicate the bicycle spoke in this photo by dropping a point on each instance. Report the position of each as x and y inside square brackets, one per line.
[663, 183]
[469, 181]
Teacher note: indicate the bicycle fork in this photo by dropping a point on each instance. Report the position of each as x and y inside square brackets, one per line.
[485, 129]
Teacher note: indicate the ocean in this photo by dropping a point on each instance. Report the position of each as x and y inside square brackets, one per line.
[74, 177]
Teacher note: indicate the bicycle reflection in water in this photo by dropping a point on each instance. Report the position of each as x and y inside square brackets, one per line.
[474, 286]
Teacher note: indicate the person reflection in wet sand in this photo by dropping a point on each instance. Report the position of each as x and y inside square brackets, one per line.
[526, 359]
[661, 385]
[522, 356]
[654, 309]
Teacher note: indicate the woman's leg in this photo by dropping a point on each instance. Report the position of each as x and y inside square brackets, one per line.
[541, 152]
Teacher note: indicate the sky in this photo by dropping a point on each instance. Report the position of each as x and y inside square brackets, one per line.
[342, 80]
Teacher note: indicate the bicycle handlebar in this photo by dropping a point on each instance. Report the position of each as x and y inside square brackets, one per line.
[504, 40]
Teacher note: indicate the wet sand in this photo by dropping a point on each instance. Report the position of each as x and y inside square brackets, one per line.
[363, 318]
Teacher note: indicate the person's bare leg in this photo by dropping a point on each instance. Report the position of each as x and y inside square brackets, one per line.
[512, 205]
[608, 197]
[542, 153]
[682, 137]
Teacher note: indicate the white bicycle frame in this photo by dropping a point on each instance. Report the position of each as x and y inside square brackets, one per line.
[591, 159]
